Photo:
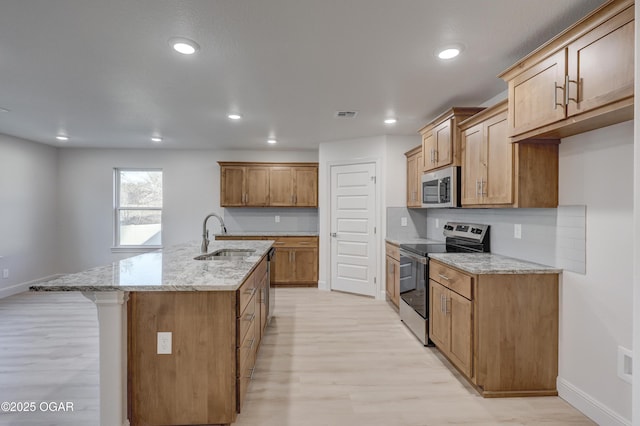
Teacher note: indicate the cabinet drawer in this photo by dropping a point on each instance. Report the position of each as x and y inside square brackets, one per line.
[246, 350]
[242, 382]
[393, 251]
[246, 320]
[452, 279]
[294, 242]
[246, 292]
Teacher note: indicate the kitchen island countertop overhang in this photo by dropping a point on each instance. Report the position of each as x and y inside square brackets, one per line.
[170, 269]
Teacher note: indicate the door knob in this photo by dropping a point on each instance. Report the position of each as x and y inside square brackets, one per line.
[333, 234]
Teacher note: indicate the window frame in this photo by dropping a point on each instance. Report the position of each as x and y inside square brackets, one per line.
[117, 246]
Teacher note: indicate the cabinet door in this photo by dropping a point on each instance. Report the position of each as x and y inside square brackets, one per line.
[284, 267]
[396, 282]
[438, 320]
[412, 181]
[428, 151]
[306, 265]
[257, 186]
[280, 186]
[232, 186]
[460, 312]
[305, 191]
[497, 186]
[390, 278]
[472, 166]
[601, 65]
[536, 95]
[444, 143]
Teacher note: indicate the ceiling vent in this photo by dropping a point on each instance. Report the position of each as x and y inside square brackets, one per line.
[346, 114]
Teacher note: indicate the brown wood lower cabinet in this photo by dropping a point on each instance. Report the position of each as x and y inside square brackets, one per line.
[393, 273]
[215, 338]
[296, 261]
[499, 330]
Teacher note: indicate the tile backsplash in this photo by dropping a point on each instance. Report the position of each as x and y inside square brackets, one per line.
[554, 237]
[264, 219]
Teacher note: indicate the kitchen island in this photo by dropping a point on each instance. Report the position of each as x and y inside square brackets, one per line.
[215, 312]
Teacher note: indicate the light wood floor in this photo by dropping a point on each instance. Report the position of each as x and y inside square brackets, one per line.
[327, 359]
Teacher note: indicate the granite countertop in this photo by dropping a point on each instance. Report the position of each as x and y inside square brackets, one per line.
[398, 240]
[268, 234]
[170, 269]
[487, 263]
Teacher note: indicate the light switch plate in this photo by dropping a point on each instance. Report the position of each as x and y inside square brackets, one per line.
[403, 221]
[164, 343]
[517, 231]
[5, 273]
[625, 362]
[437, 223]
[277, 219]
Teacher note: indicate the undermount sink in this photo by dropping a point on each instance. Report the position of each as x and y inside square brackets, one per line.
[224, 254]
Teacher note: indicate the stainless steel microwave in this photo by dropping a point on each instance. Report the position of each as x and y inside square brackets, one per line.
[441, 188]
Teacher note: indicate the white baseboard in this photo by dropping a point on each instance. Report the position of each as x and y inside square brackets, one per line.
[22, 287]
[322, 285]
[590, 407]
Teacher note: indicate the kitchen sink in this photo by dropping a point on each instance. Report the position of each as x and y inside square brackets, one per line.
[225, 254]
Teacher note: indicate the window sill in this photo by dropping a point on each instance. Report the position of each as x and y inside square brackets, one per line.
[135, 249]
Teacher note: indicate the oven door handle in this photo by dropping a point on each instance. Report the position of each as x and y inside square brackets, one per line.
[413, 256]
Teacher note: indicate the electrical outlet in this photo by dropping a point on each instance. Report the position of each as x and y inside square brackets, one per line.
[625, 363]
[5, 273]
[437, 223]
[403, 221]
[517, 231]
[164, 343]
[277, 219]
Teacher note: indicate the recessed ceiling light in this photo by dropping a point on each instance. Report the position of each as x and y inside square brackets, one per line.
[390, 121]
[184, 45]
[234, 116]
[272, 141]
[449, 52]
[156, 139]
[62, 138]
[4, 109]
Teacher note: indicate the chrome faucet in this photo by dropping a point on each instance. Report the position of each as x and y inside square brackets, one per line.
[205, 232]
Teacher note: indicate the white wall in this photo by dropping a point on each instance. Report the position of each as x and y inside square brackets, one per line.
[388, 152]
[596, 169]
[191, 190]
[27, 212]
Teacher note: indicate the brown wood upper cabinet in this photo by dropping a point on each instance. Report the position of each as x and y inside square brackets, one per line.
[498, 173]
[579, 81]
[441, 139]
[268, 184]
[414, 175]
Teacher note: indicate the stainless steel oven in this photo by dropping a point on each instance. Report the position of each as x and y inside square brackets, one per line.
[441, 188]
[414, 271]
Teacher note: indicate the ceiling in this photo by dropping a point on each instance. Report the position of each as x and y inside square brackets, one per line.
[103, 72]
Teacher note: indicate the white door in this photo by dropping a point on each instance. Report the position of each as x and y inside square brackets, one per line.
[353, 219]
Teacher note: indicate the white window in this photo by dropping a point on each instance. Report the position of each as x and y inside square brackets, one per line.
[137, 208]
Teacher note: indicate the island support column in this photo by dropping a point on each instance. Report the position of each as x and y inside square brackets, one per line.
[112, 323]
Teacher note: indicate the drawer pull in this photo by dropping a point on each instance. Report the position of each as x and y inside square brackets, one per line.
[252, 341]
[250, 318]
[250, 291]
[443, 277]
[251, 374]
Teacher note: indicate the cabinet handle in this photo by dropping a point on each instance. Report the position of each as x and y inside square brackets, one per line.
[251, 374]
[477, 185]
[436, 154]
[250, 291]
[250, 318]
[294, 256]
[432, 156]
[295, 199]
[252, 341]
[566, 91]
[482, 192]
[555, 95]
[446, 308]
[441, 302]
[443, 277]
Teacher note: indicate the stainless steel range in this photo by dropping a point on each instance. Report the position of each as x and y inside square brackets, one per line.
[414, 271]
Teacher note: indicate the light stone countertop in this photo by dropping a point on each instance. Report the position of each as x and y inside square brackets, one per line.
[487, 263]
[170, 269]
[397, 241]
[269, 234]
